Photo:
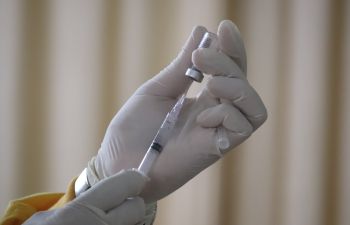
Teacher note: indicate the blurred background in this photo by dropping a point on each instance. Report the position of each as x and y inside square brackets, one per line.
[66, 67]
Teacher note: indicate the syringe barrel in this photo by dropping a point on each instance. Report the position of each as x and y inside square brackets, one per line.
[148, 161]
[209, 40]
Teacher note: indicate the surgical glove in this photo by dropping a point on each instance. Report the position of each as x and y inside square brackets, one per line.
[112, 201]
[192, 147]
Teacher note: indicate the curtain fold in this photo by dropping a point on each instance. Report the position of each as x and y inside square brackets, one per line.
[66, 67]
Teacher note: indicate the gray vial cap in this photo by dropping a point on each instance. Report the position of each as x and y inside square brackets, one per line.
[195, 74]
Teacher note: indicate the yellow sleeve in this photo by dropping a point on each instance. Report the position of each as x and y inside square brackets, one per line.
[20, 210]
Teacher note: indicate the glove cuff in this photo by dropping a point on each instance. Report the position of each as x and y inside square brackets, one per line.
[86, 179]
[91, 173]
[81, 184]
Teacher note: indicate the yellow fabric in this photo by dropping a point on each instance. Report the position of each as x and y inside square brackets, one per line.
[67, 197]
[20, 210]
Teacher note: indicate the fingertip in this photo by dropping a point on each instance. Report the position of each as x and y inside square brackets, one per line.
[195, 38]
[145, 177]
[229, 25]
[171, 81]
[198, 31]
[136, 180]
[231, 43]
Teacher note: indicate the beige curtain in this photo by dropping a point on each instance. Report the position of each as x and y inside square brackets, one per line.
[67, 66]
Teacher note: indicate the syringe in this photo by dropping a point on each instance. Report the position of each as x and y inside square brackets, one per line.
[164, 133]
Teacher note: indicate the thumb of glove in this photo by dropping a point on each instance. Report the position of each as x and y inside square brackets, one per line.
[171, 81]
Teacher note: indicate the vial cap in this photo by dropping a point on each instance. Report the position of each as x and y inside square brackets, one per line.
[195, 74]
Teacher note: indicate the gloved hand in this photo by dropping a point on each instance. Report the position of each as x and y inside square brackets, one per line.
[193, 145]
[107, 202]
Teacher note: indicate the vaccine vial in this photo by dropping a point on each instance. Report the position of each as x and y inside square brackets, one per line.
[209, 40]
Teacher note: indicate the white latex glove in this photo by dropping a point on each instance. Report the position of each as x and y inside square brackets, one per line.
[107, 203]
[193, 145]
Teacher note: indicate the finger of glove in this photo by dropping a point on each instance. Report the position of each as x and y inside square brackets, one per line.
[231, 43]
[242, 95]
[129, 212]
[112, 191]
[216, 63]
[226, 115]
[171, 81]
